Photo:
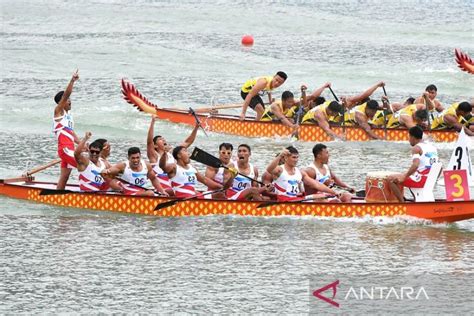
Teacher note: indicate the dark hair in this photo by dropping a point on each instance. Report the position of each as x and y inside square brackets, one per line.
[336, 107]
[292, 150]
[416, 132]
[465, 107]
[365, 100]
[176, 151]
[226, 146]
[410, 100]
[156, 138]
[431, 87]
[319, 100]
[318, 148]
[133, 151]
[96, 144]
[282, 74]
[286, 95]
[101, 141]
[246, 146]
[422, 115]
[58, 97]
[373, 105]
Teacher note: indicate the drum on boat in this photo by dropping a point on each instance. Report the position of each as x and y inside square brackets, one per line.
[378, 189]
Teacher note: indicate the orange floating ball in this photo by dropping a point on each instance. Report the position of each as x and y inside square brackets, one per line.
[247, 40]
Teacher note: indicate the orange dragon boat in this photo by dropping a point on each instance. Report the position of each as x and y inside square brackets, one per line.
[26, 189]
[231, 124]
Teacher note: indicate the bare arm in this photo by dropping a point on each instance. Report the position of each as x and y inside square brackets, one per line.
[58, 111]
[82, 161]
[277, 111]
[210, 172]
[453, 122]
[191, 138]
[367, 93]
[273, 168]
[259, 86]
[150, 146]
[114, 170]
[361, 120]
[211, 184]
[316, 93]
[324, 124]
[169, 168]
[154, 179]
[316, 185]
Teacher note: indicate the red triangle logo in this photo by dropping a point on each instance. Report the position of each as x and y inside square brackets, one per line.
[332, 286]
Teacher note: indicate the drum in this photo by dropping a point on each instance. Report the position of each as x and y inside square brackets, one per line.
[378, 189]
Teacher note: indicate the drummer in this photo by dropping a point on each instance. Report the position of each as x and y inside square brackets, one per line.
[424, 156]
[319, 171]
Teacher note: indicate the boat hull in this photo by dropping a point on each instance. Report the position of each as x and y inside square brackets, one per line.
[434, 211]
[230, 124]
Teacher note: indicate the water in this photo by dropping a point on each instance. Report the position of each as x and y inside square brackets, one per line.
[56, 260]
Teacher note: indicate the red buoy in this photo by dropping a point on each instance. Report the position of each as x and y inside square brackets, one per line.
[247, 40]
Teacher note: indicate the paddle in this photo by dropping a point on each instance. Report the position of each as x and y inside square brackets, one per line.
[299, 114]
[198, 121]
[359, 193]
[61, 192]
[343, 111]
[203, 157]
[40, 168]
[270, 203]
[429, 114]
[173, 202]
[385, 121]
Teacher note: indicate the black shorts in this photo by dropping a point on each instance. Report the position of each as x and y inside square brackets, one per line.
[254, 101]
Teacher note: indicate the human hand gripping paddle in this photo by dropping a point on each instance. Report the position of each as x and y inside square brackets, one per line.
[386, 102]
[198, 122]
[203, 157]
[299, 114]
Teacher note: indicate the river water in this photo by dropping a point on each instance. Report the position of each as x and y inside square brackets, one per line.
[58, 260]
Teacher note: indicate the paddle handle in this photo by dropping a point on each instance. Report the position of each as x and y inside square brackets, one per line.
[220, 107]
[198, 121]
[245, 176]
[41, 168]
[333, 94]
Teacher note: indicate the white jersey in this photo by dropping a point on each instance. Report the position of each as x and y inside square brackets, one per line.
[163, 176]
[90, 179]
[184, 181]
[288, 185]
[138, 178]
[320, 177]
[241, 183]
[427, 158]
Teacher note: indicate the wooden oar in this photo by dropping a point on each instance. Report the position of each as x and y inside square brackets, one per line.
[173, 202]
[385, 121]
[203, 157]
[41, 168]
[198, 121]
[359, 193]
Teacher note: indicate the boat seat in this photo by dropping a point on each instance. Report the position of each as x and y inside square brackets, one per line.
[425, 194]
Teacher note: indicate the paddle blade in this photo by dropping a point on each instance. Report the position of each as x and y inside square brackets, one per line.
[166, 204]
[360, 193]
[134, 97]
[203, 157]
[55, 192]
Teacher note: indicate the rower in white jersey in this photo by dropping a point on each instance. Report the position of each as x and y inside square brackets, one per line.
[244, 189]
[157, 146]
[90, 167]
[319, 171]
[288, 179]
[135, 173]
[184, 176]
[220, 175]
[423, 157]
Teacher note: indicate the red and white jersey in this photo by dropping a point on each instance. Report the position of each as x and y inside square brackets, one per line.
[288, 186]
[320, 177]
[163, 176]
[64, 128]
[91, 180]
[427, 158]
[184, 181]
[138, 178]
[241, 183]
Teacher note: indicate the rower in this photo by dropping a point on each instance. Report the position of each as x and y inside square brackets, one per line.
[251, 89]
[243, 189]
[184, 176]
[221, 175]
[319, 171]
[409, 116]
[324, 113]
[429, 99]
[361, 114]
[278, 110]
[157, 146]
[136, 173]
[91, 166]
[106, 149]
[424, 155]
[64, 131]
[289, 180]
[453, 116]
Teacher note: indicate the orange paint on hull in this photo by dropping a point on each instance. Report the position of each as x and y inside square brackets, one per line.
[435, 211]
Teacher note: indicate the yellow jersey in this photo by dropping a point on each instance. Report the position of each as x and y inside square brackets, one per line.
[394, 120]
[268, 115]
[439, 123]
[248, 85]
